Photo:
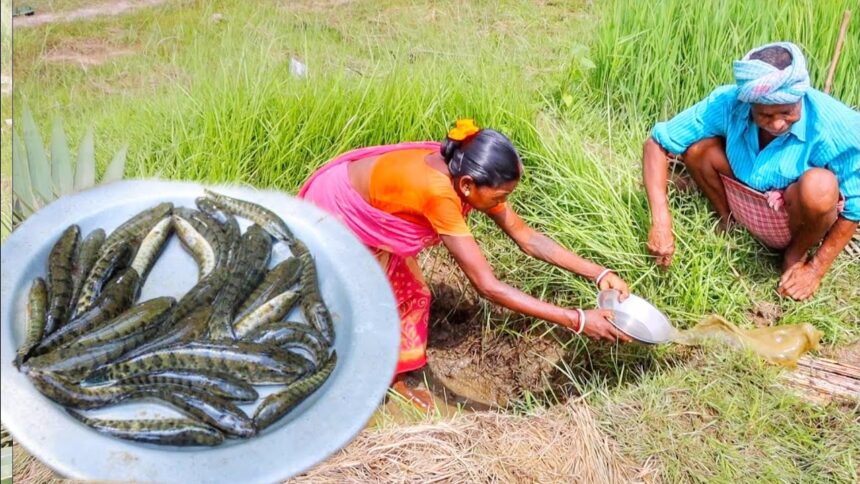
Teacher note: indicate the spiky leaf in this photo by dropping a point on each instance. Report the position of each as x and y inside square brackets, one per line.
[85, 172]
[61, 160]
[40, 171]
[116, 169]
[8, 223]
[23, 190]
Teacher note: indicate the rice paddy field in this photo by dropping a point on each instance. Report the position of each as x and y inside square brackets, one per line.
[203, 90]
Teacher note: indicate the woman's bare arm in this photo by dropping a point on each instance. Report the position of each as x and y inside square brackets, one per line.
[470, 258]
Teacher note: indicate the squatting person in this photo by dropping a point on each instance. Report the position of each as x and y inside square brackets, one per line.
[774, 154]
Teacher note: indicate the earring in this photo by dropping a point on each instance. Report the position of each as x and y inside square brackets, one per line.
[467, 192]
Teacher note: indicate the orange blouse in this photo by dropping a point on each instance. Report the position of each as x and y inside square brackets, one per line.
[404, 185]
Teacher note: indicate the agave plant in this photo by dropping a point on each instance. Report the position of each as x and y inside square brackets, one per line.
[38, 180]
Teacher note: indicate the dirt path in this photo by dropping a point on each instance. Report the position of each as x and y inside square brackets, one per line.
[102, 9]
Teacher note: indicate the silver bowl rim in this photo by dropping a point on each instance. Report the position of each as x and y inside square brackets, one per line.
[346, 401]
[643, 340]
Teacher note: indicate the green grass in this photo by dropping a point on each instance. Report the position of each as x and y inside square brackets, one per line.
[727, 419]
[5, 113]
[653, 62]
[214, 101]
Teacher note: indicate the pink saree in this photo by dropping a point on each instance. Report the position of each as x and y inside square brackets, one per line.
[395, 243]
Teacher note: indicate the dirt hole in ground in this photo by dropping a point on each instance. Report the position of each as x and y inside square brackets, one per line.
[471, 362]
[468, 364]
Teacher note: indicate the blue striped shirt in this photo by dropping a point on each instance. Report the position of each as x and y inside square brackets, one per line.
[827, 135]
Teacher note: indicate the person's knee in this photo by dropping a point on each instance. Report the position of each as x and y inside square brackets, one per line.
[818, 190]
[703, 154]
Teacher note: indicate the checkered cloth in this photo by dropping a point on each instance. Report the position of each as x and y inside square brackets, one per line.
[751, 209]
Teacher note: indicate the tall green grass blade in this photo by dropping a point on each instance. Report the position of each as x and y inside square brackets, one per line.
[7, 222]
[116, 168]
[61, 160]
[85, 171]
[40, 171]
[654, 62]
[26, 202]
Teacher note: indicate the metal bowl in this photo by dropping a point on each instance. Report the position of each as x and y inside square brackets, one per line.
[636, 317]
[351, 281]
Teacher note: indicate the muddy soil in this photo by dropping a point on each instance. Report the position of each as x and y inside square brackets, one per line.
[765, 314]
[482, 366]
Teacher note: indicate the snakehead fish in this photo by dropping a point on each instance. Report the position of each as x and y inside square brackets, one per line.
[257, 364]
[189, 328]
[218, 384]
[210, 229]
[200, 248]
[36, 317]
[151, 246]
[59, 279]
[313, 306]
[111, 260]
[207, 408]
[273, 310]
[278, 404]
[133, 230]
[96, 348]
[168, 431]
[277, 280]
[228, 223]
[83, 264]
[148, 314]
[118, 295]
[246, 272]
[64, 391]
[260, 215]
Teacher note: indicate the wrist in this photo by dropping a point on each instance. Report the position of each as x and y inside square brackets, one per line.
[570, 320]
[580, 321]
[662, 221]
[818, 266]
[603, 275]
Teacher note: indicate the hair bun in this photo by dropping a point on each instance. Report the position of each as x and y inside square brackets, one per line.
[449, 149]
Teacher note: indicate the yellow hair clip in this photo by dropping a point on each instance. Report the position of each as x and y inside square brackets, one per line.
[463, 129]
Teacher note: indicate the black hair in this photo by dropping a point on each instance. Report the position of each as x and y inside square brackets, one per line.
[774, 55]
[488, 157]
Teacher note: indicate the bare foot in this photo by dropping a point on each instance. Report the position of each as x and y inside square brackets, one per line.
[800, 281]
[792, 257]
[421, 399]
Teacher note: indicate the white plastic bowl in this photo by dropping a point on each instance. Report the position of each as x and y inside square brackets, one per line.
[352, 284]
[636, 317]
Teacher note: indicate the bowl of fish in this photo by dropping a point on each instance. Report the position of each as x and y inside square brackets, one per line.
[636, 317]
[170, 332]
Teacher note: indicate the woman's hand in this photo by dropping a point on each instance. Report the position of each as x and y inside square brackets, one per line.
[597, 325]
[612, 281]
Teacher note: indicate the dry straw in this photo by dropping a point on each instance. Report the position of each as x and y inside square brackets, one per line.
[563, 444]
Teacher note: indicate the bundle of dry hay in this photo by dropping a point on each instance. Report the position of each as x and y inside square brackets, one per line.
[562, 444]
[26, 468]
